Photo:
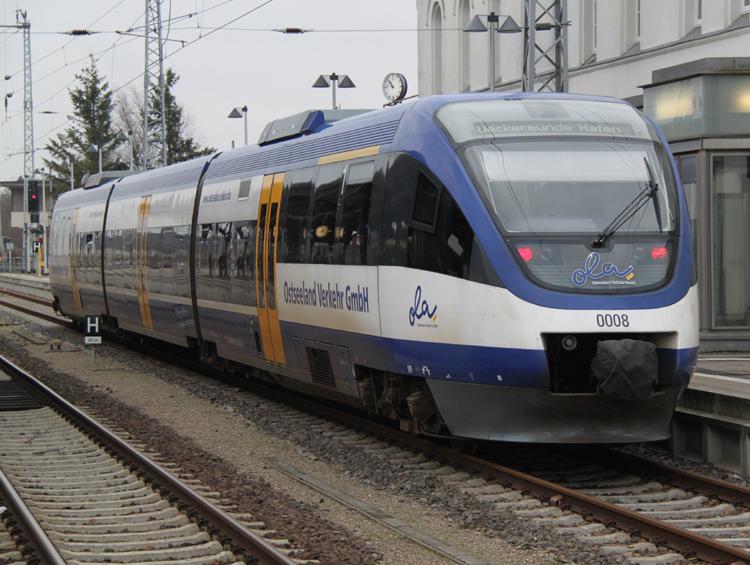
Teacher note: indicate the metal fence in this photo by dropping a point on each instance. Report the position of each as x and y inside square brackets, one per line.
[13, 265]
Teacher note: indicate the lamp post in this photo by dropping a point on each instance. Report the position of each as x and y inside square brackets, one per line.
[122, 136]
[239, 113]
[343, 81]
[96, 149]
[493, 20]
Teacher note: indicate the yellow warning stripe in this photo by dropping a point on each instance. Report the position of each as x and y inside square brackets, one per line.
[346, 155]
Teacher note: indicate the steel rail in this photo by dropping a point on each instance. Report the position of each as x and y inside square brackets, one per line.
[238, 536]
[723, 490]
[45, 317]
[37, 538]
[656, 531]
[28, 297]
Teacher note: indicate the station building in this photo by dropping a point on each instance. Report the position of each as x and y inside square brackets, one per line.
[686, 64]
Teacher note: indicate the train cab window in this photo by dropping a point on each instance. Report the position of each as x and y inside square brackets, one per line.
[447, 247]
[355, 213]
[296, 224]
[323, 232]
[425, 207]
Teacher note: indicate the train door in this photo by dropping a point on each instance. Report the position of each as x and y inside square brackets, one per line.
[141, 237]
[74, 254]
[265, 256]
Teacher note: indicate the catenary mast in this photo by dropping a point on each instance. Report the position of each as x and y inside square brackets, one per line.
[154, 116]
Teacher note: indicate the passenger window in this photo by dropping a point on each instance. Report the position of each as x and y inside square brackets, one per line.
[296, 229]
[327, 190]
[153, 259]
[182, 246]
[241, 265]
[355, 213]
[221, 246]
[244, 189]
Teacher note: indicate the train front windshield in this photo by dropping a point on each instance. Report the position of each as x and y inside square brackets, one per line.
[567, 178]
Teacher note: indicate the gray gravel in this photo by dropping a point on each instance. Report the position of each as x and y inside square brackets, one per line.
[213, 431]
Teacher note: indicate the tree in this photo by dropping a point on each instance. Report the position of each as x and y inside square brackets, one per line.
[91, 125]
[181, 146]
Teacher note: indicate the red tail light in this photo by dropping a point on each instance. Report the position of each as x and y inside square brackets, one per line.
[526, 253]
[659, 253]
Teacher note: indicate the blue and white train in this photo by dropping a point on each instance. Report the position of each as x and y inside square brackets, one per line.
[496, 266]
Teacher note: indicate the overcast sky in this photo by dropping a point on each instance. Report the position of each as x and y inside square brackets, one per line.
[241, 64]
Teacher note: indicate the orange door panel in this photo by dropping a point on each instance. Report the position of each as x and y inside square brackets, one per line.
[141, 272]
[260, 268]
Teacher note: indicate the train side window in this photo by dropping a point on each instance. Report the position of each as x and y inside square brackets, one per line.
[424, 208]
[355, 213]
[241, 265]
[181, 250]
[222, 291]
[296, 221]
[153, 260]
[222, 241]
[205, 260]
[244, 191]
[167, 261]
[95, 259]
[327, 189]
[117, 259]
[128, 247]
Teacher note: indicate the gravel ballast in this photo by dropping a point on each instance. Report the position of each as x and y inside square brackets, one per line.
[221, 435]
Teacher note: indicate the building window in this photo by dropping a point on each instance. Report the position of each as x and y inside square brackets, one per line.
[595, 23]
[464, 42]
[746, 5]
[638, 19]
[731, 239]
[588, 31]
[698, 12]
[437, 49]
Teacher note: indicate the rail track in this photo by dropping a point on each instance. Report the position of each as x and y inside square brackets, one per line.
[79, 493]
[652, 513]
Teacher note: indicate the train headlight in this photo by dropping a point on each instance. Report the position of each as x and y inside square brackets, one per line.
[569, 342]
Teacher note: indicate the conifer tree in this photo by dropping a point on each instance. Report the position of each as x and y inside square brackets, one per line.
[181, 146]
[91, 125]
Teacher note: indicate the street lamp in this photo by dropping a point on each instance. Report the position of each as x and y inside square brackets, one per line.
[324, 81]
[65, 165]
[238, 113]
[96, 149]
[508, 26]
[122, 136]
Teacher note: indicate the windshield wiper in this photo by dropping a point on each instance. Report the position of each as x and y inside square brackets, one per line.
[651, 190]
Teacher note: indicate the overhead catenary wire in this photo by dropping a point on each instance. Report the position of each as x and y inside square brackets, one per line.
[114, 90]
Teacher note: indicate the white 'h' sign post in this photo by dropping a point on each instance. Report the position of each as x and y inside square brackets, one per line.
[93, 334]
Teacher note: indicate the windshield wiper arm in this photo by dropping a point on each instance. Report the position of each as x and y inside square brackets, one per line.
[632, 209]
[654, 195]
